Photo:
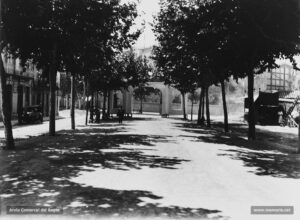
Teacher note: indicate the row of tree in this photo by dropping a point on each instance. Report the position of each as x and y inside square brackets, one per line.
[204, 43]
[126, 70]
[84, 38]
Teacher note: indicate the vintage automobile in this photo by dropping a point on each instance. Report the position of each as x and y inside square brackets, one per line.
[32, 114]
[267, 109]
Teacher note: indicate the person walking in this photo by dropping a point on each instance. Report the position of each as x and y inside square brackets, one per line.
[97, 115]
[120, 115]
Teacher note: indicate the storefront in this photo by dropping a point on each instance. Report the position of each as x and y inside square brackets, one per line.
[20, 91]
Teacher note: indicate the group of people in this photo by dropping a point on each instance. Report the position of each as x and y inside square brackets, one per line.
[95, 115]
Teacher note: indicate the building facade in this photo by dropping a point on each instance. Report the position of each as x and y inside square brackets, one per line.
[282, 79]
[26, 86]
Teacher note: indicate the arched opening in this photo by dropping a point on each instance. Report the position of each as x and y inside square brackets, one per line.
[147, 99]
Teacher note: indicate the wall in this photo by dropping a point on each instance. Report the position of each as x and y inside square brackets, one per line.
[217, 110]
[176, 109]
[147, 107]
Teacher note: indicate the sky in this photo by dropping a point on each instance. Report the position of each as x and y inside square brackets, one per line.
[146, 9]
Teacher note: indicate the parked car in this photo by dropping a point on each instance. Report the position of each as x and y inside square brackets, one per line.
[32, 114]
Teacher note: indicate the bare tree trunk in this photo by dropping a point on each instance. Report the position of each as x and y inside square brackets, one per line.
[200, 108]
[109, 104]
[6, 109]
[183, 106]
[5, 99]
[251, 118]
[192, 108]
[87, 103]
[87, 112]
[97, 99]
[226, 128]
[207, 108]
[73, 102]
[20, 103]
[141, 107]
[92, 108]
[298, 151]
[52, 81]
[83, 102]
[43, 102]
[203, 105]
[104, 105]
[6, 103]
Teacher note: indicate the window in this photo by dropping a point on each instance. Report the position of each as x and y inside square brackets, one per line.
[277, 81]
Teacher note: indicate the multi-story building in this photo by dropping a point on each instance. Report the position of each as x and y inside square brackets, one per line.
[282, 79]
[26, 86]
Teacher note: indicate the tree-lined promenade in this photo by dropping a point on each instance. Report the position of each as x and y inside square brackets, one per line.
[84, 38]
[150, 165]
[205, 43]
[200, 44]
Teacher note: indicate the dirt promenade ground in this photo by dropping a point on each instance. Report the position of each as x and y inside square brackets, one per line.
[148, 167]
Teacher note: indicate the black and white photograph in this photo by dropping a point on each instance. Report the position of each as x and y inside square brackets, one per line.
[150, 109]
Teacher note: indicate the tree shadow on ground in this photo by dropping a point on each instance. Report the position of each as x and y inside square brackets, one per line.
[39, 173]
[254, 154]
[261, 134]
[113, 122]
[99, 125]
[32, 124]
